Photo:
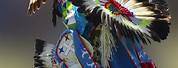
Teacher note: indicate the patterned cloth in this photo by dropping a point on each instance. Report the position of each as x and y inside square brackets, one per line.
[103, 33]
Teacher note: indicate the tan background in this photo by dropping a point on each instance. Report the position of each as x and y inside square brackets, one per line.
[18, 31]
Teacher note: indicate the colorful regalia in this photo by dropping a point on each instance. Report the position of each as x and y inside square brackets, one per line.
[102, 33]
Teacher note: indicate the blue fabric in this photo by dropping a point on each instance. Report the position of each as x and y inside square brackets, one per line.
[131, 47]
[143, 56]
[81, 53]
[57, 59]
[120, 58]
[80, 20]
[59, 6]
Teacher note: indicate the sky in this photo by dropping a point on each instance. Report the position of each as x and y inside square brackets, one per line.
[18, 32]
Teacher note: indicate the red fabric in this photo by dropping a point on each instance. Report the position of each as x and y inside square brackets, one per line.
[148, 65]
[124, 10]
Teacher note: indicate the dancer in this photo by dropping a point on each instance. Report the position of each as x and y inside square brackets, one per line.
[102, 33]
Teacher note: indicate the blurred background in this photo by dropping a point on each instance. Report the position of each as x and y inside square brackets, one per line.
[18, 32]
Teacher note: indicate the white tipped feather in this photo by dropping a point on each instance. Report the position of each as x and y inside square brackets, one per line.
[120, 1]
[146, 18]
[134, 6]
[129, 3]
[144, 13]
[140, 9]
[46, 55]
